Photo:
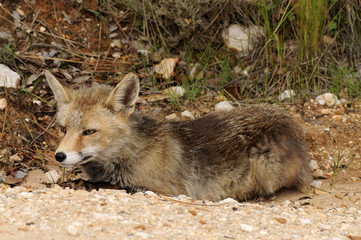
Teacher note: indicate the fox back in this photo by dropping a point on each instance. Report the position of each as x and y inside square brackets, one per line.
[243, 153]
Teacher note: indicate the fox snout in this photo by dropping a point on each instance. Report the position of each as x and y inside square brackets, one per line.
[60, 156]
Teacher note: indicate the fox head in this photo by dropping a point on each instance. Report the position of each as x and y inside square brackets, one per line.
[93, 120]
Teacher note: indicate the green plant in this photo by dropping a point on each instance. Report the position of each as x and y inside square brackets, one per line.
[339, 163]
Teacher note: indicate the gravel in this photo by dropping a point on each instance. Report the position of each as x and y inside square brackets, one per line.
[57, 213]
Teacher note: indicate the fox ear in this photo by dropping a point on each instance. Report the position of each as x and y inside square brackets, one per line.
[62, 94]
[124, 95]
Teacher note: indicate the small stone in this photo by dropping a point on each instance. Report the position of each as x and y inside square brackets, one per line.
[176, 91]
[224, 105]
[313, 164]
[325, 111]
[25, 195]
[20, 174]
[116, 43]
[195, 70]
[318, 173]
[142, 234]
[187, 115]
[242, 38]
[304, 221]
[3, 103]
[316, 184]
[171, 116]
[354, 179]
[42, 29]
[8, 78]
[328, 98]
[287, 94]
[337, 118]
[325, 227]
[52, 176]
[246, 227]
[37, 102]
[149, 193]
[15, 158]
[117, 55]
[74, 228]
[228, 200]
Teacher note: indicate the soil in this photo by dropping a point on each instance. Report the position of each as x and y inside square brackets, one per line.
[30, 136]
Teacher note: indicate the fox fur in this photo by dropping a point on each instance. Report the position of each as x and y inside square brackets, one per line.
[244, 153]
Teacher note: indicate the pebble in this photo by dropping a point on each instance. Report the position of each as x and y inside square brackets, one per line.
[313, 164]
[187, 115]
[241, 38]
[337, 118]
[8, 78]
[316, 184]
[325, 111]
[328, 99]
[287, 94]
[224, 105]
[171, 116]
[176, 91]
[2, 103]
[52, 176]
[74, 228]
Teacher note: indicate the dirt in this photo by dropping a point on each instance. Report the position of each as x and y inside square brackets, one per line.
[30, 137]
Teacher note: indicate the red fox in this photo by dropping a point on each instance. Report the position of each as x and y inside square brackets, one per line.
[244, 153]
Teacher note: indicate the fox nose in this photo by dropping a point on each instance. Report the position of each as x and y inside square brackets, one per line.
[60, 156]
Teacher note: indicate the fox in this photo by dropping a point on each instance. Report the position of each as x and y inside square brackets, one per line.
[244, 153]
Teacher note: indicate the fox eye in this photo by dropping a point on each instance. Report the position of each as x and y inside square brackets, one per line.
[63, 129]
[89, 132]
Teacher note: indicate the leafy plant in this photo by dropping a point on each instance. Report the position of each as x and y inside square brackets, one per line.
[339, 162]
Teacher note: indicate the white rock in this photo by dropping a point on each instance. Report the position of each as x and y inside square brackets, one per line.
[246, 227]
[304, 221]
[313, 164]
[117, 55]
[328, 98]
[287, 94]
[316, 184]
[37, 102]
[325, 111]
[242, 38]
[171, 116]
[228, 200]
[142, 234]
[6, 36]
[224, 105]
[3, 103]
[187, 114]
[149, 193]
[144, 52]
[116, 43]
[52, 176]
[8, 78]
[25, 195]
[20, 174]
[15, 158]
[176, 91]
[318, 173]
[74, 228]
[195, 70]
